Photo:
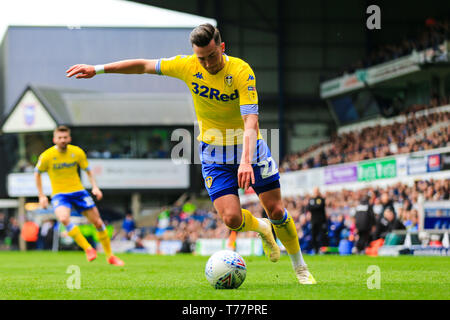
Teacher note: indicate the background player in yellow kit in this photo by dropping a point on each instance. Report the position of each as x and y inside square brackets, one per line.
[232, 150]
[62, 162]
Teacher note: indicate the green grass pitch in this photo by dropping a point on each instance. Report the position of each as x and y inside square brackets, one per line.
[43, 275]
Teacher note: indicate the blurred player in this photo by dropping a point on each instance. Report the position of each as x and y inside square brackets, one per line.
[232, 150]
[61, 162]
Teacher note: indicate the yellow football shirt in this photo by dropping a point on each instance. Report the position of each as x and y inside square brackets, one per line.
[62, 168]
[217, 98]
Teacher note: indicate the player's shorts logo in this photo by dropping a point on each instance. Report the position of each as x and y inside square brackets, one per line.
[229, 80]
[208, 181]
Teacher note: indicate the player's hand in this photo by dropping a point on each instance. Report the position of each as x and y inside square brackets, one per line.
[43, 201]
[246, 176]
[82, 71]
[97, 193]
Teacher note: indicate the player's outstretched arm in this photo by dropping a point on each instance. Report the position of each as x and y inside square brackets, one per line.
[135, 66]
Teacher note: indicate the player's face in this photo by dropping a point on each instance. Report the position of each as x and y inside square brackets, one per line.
[210, 56]
[61, 139]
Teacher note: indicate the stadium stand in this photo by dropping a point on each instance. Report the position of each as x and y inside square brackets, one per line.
[414, 131]
[340, 205]
[386, 136]
[430, 35]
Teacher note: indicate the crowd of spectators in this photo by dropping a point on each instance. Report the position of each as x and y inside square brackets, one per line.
[35, 237]
[375, 142]
[9, 232]
[394, 207]
[432, 34]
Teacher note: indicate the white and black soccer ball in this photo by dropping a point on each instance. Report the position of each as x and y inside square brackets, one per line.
[225, 269]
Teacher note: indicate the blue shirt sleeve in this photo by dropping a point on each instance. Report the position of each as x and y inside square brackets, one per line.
[249, 109]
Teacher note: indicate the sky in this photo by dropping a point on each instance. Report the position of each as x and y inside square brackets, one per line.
[91, 13]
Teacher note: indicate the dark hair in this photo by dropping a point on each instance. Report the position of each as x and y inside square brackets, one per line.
[62, 129]
[202, 35]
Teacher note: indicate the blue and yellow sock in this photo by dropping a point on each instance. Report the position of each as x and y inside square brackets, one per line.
[103, 237]
[287, 233]
[77, 236]
[249, 222]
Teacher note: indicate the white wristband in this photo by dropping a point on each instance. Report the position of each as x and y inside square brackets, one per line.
[99, 68]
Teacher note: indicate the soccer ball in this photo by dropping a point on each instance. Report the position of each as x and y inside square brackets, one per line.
[225, 269]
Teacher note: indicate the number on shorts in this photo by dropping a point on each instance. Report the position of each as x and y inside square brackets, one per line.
[89, 201]
[266, 165]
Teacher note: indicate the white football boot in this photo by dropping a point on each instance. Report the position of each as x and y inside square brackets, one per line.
[270, 246]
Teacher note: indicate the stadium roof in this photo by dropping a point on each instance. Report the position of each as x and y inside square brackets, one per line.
[42, 108]
[92, 13]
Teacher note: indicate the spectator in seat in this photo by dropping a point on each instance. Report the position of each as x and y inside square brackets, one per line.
[304, 233]
[46, 233]
[387, 224]
[336, 225]
[412, 224]
[3, 226]
[387, 203]
[13, 233]
[128, 224]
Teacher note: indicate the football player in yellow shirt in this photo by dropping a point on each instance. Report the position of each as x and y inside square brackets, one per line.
[232, 150]
[61, 162]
